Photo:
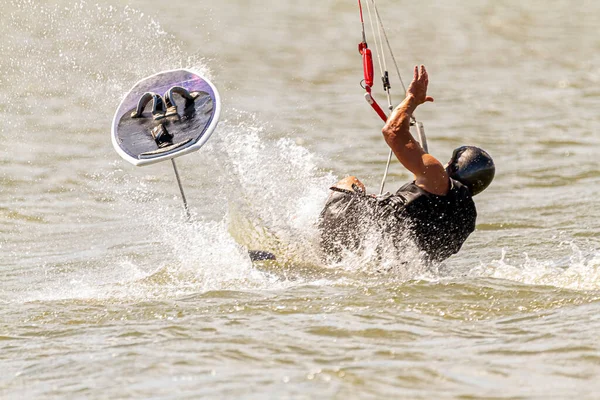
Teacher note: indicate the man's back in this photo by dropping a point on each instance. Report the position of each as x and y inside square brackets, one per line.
[438, 225]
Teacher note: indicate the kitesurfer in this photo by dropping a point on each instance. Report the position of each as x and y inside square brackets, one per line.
[436, 211]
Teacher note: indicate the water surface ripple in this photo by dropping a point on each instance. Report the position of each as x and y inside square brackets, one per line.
[106, 292]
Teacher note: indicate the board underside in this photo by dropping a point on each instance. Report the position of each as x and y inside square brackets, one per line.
[190, 127]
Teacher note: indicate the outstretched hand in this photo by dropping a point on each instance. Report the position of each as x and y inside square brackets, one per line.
[418, 86]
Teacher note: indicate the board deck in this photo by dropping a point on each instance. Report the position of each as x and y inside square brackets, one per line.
[190, 126]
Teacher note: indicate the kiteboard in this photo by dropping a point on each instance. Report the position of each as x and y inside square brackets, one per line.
[167, 115]
[164, 116]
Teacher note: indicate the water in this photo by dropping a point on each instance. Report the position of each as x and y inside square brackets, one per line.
[107, 293]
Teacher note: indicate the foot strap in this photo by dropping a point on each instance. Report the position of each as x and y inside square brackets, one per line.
[161, 136]
[158, 106]
[183, 92]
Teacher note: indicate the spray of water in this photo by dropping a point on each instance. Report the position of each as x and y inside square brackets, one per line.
[267, 194]
[79, 56]
[579, 271]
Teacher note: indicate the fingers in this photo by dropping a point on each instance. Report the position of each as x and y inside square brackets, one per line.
[420, 74]
[423, 75]
[418, 87]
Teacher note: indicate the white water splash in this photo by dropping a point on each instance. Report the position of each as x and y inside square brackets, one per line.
[272, 189]
[76, 50]
[577, 272]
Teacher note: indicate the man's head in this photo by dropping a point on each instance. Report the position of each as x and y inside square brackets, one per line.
[473, 167]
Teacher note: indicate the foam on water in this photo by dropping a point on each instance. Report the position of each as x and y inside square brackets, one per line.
[579, 271]
[192, 258]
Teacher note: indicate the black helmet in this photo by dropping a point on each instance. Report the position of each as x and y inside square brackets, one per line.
[473, 167]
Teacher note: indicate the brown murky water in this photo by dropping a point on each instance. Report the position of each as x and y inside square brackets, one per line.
[106, 292]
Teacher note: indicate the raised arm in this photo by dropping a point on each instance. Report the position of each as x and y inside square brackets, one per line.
[430, 174]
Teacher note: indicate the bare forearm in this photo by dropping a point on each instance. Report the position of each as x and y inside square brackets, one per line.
[397, 131]
[429, 172]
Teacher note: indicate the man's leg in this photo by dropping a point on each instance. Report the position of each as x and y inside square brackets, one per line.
[349, 183]
[340, 219]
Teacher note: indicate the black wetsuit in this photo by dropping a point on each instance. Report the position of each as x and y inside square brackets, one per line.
[438, 225]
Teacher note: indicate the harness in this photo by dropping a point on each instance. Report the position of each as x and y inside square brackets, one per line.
[387, 204]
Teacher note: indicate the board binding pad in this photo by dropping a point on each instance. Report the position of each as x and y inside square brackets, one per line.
[164, 116]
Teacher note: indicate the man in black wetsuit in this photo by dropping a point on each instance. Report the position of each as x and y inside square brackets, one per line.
[435, 211]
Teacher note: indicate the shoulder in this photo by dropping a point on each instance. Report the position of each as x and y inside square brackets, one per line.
[433, 178]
